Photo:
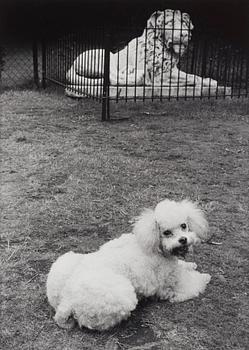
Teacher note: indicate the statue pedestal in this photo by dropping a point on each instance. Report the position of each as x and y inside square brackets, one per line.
[140, 92]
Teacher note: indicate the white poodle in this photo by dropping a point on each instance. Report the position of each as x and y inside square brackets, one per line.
[102, 288]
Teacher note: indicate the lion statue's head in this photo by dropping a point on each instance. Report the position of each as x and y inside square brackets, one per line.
[173, 28]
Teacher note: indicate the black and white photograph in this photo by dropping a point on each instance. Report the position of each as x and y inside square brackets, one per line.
[124, 196]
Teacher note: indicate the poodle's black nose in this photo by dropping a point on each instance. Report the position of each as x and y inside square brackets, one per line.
[183, 240]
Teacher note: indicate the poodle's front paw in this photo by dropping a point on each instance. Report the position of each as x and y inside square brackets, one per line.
[206, 277]
[188, 265]
[178, 298]
[192, 266]
[65, 324]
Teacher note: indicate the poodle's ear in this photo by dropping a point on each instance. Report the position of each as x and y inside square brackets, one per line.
[197, 220]
[147, 231]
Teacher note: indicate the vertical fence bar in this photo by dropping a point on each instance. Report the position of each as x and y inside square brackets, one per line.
[162, 63]
[171, 58]
[247, 71]
[127, 73]
[71, 77]
[229, 66]
[180, 61]
[117, 89]
[136, 67]
[240, 73]
[49, 62]
[210, 63]
[57, 68]
[106, 82]
[152, 69]
[81, 48]
[193, 61]
[86, 65]
[94, 65]
[204, 64]
[186, 66]
[66, 60]
[99, 57]
[102, 70]
[145, 61]
[90, 60]
[69, 61]
[233, 72]
[91, 64]
[62, 60]
[225, 74]
[217, 72]
[237, 72]
[117, 95]
[60, 48]
[35, 63]
[44, 65]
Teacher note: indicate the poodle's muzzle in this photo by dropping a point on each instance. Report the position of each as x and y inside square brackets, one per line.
[182, 249]
[178, 244]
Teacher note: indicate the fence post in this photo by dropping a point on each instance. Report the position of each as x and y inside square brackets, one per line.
[35, 63]
[247, 70]
[1, 62]
[44, 64]
[106, 82]
[204, 59]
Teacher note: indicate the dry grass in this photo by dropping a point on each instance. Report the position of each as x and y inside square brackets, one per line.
[70, 182]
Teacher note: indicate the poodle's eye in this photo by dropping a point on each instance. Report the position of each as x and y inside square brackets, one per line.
[183, 226]
[167, 233]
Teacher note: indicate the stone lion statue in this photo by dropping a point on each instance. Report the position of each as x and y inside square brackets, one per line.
[151, 59]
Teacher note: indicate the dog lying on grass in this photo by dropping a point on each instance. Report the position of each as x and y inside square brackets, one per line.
[100, 289]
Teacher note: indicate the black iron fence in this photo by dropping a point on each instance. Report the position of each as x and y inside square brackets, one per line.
[162, 63]
[167, 60]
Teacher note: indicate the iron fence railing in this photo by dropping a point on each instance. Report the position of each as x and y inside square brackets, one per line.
[203, 67]
[169, 60]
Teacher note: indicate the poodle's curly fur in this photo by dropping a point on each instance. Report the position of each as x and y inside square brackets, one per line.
[102, 288]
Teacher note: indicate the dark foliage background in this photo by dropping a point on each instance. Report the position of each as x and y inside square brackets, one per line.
[22, 19]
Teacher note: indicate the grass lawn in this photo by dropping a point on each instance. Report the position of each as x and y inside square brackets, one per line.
[71, 182]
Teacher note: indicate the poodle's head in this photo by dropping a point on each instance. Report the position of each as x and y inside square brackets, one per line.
[171, 228]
